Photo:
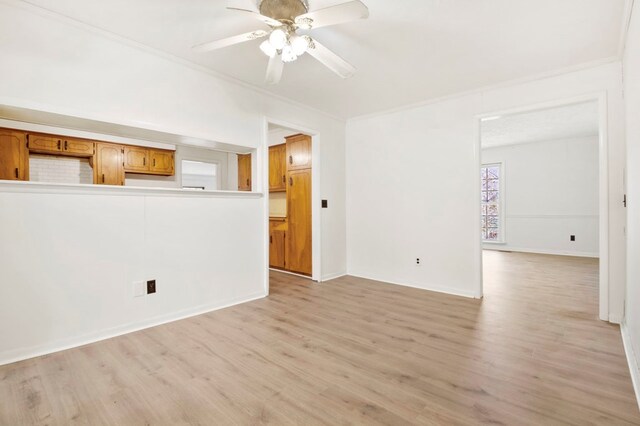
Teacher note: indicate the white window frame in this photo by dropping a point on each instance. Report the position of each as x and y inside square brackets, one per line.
[502, 217]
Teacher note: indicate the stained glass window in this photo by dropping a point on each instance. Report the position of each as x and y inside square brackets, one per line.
[490, 198]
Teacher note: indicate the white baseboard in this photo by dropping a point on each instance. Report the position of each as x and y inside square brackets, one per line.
[540, 251]
[22, 354]
[330, 277]
[437, 289]
[615, 319]
[634, 367]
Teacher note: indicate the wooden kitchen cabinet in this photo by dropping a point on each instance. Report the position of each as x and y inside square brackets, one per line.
[244, 172]
[298, 250]
[278, 168]
[78, 147]
[136, 159]
[44, 144]
[149, 161]
[298, 155]
[51, 144]
[108, 165]
[277, 238]
[14, 156]
[162, 162]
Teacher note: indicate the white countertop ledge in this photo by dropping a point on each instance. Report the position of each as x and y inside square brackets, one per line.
[7, 186]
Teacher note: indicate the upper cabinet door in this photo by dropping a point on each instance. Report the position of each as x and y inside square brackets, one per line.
[298, 152]
[108, 167]
[244, 172]
[162, 162]
[136, 159]
[278, 168]
[45, 143]
[14, 157]
[78, 147]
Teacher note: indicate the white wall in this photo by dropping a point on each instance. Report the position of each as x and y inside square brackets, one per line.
[73, 286]
[550, 193]
[412, 184]
[277, 136]
[631, 328]
[69, 260]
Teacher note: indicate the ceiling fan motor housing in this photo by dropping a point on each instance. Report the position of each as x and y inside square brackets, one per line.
[283, 10]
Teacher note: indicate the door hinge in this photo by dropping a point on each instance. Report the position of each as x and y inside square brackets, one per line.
[624, 200]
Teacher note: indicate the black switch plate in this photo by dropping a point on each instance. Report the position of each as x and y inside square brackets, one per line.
[151, 286]
[325, 204]
[573, 238]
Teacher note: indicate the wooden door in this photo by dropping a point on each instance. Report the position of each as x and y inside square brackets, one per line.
[298, 242]
[162, 162]
[136, 159]
[298, 152]
[45, 144]
[14, 156]
[108, 167]
[244, 172]
[278, 168]
[276, 244]
[78, 147]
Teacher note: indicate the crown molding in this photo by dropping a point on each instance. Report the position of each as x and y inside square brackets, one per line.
[626, 23]
[480, 90]
[27, 5]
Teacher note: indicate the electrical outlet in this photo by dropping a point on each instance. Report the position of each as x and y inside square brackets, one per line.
[418, 262]
[138, 289]
[573, 238]
[151, 286]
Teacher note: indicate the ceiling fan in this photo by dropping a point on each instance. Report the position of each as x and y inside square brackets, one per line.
[284, 44]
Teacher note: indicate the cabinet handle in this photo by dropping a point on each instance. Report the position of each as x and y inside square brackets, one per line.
[65, 145]
[248, 182]
[17, 173]
[291, 159]
[59, 144]
[290, 181]
[144, 161]
[154, 162]
[270, 239]
[284, 179]
[103, 178]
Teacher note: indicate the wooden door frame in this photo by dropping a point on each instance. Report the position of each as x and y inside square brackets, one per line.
[603, 184]
[316, 203]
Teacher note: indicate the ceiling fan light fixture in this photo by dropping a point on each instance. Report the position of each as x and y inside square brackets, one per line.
[288, 54]
[268, 49]
[278, 38]
[299, 44]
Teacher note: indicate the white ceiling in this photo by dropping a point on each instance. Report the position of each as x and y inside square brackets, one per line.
[408, 51]
[571, 121]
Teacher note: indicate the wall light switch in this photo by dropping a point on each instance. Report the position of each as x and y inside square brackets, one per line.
[139, 289]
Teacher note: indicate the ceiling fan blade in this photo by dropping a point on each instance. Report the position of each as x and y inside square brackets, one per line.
[338, 14]
[251, 7]
[274, 70]
[230, 41]
[329, 59]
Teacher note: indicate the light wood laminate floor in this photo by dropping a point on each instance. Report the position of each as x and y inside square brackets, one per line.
[353, 351]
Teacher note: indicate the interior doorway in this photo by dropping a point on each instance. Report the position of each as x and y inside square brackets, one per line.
[542, 199]
[291, 171]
